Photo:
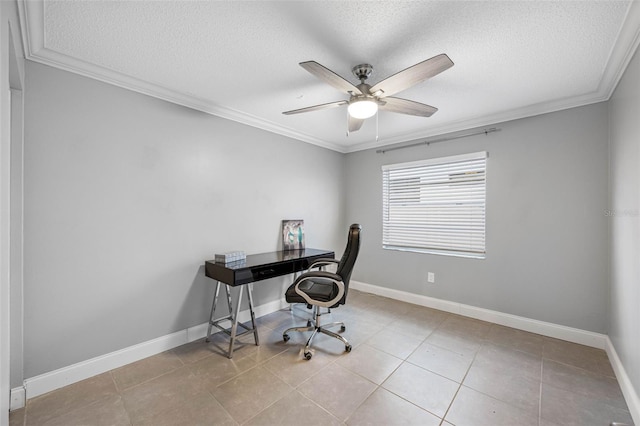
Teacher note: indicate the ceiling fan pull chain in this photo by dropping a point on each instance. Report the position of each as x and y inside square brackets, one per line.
[377, 114]
[347, 123]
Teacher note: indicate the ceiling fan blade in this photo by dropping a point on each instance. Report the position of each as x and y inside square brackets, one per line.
[405, 106]
[316, 107]
[330, 77]
[354, 123]
[413, 75]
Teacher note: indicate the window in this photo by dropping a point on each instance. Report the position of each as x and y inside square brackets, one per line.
[436, 205]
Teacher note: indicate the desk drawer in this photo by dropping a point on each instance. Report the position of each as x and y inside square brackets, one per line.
[271, 271]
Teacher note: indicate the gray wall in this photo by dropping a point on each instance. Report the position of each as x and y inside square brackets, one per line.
[624, 109]
[546, 232]
[125, 198]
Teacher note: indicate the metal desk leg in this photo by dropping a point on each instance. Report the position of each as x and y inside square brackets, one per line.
[229, 304]
[233, 316]
[213, 311]
[234, 325]
[253, 315]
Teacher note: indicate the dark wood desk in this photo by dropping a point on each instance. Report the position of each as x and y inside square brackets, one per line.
[255, 267]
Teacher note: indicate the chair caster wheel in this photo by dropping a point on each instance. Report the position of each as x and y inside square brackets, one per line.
[343, 328]
[308, 323]
[307, 355]
[285, 337]
[347, 348]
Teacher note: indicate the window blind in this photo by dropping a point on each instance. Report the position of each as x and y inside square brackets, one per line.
[436, 205]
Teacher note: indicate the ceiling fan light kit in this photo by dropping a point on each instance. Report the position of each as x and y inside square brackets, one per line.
[362, 108]
[365, 100]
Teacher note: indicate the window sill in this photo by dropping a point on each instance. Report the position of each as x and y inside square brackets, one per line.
[438, 252]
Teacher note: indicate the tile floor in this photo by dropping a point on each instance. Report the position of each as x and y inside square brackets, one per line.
[409, 365]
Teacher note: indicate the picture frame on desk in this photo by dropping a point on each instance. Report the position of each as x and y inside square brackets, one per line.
[292, 234]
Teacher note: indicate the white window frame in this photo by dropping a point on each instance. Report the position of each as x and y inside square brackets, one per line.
[440, 208]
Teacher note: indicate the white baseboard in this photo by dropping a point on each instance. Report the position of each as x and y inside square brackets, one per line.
[18, 398]
[56, 379]
[629, 392]
[570, 334]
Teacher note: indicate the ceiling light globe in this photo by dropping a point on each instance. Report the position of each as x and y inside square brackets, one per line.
[363, 108]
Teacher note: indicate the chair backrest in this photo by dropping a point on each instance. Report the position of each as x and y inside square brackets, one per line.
[345, 267]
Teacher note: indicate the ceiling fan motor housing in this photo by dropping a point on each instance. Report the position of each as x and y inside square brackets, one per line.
[362, 71]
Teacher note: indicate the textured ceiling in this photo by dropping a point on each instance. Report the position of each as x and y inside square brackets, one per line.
[239, 59]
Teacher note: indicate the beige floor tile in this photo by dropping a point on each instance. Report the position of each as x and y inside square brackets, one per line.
[359, 331]
[506, 384]
[545, 422]
[337, 390]
[291, 367]
[243, 346]
[472, 408]
[394, 307]
[511, 361]
[425, 315]
[467, 346]
[591, 359]
[394, 343]
[370, 312]
[370, 363]
[518, 339]
[577, 380]
[145, 369]
[53, 404]
[362, 299]
[294, 409]
[217, 369]
[571, 409]
[201, 409]
[427, 390]
[412, 327]
[444, 362]
[249, 393]
[16, 417]
[106, 412]
[168, 392]
[465, 326]
[285, 318]
[383, 408]
[271, 343]
[192, 352]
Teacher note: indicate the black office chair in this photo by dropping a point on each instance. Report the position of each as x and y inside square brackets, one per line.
[322, 289]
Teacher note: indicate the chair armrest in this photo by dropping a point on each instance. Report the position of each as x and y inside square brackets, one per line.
[323, 262]
[336, 279]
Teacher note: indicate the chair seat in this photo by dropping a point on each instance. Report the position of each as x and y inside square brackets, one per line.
[318, 289]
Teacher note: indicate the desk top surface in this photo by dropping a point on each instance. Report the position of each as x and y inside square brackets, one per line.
[265, 259]
[264, 265]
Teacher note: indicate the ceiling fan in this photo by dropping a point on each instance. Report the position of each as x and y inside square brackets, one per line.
[365, 99]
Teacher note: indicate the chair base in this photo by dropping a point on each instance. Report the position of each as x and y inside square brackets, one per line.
[317, 328]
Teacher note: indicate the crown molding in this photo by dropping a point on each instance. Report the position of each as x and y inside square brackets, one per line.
[623, 50]
[485, 120]
[32, 25]
[67, 63]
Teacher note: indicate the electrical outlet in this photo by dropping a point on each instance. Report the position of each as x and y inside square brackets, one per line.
[431, 277]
